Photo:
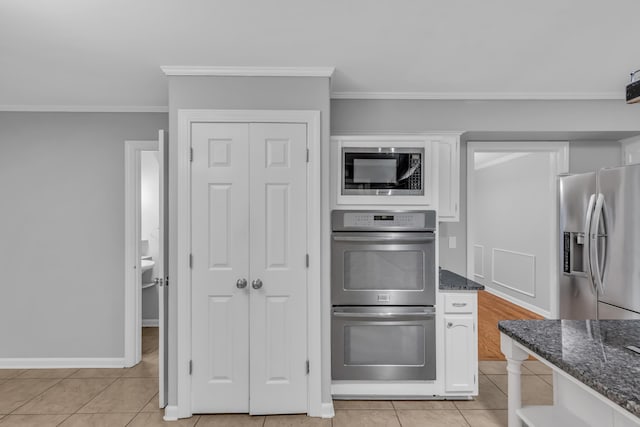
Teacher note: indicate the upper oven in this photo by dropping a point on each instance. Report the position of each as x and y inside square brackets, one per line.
[383, 258]
[387, 171]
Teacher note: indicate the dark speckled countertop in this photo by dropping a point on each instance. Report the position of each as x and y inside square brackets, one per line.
[450, 281]
[591, 351]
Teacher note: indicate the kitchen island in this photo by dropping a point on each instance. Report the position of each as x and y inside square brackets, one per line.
[596, 372]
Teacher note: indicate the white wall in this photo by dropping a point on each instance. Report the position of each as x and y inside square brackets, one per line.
[149, 225]
[512, 214]
[62, 231]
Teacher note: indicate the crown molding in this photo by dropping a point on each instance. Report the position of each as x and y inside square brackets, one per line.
[248, 71]
[482, 96]
[85, 108]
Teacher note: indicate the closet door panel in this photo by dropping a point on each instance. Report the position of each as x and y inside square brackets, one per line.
[278, 212]
[220, 238]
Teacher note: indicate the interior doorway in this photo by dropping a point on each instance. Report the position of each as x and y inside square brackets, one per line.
[146, 281]
[512, 244]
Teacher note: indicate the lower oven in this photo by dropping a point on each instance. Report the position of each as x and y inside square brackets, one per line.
[383, 343]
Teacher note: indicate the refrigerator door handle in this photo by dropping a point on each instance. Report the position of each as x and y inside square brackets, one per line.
[594, 255]
[587, 243]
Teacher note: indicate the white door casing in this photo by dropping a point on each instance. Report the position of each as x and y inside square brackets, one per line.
[504, 153]
[249, 224]
[278, 248]
[183, 281]
[220, 239]
[162, 264]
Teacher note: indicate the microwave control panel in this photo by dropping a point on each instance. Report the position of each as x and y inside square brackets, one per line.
[372, 220]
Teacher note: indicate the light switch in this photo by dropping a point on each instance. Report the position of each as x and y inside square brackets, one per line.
[452, 242]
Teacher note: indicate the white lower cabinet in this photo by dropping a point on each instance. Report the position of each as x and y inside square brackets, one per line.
[249, 337]
[460, 344]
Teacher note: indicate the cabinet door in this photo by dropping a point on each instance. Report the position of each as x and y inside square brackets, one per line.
[460, 354]
[278, 227]
[220, 239]
[448, 178]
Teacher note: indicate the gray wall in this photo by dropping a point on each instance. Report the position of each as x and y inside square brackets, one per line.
[483, 116]
[62, 231]
[268, 93]
[588, 156]
[576, 121]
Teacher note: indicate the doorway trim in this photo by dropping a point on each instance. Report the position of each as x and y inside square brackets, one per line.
[132, 279]
[561, 166]
[183, 340]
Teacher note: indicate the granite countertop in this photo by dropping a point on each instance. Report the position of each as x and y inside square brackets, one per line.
[592, 351]
[450, 281]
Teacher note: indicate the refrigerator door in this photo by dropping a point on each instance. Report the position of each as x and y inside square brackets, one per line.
[619, 252]
[609, 312]
[577, 297]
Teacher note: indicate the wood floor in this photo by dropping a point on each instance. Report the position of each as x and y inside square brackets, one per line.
[491, 309]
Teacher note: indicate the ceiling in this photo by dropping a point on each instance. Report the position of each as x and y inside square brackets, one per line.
[109, 52]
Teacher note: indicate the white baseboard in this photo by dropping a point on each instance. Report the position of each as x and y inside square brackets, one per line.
[327, 410]
[170, 413]
[544, 313]
[61, 362]
[150, 323]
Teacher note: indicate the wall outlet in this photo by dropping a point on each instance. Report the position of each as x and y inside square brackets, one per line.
[452, 242]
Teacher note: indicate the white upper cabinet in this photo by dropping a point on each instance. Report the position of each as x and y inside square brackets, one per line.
[449, 178]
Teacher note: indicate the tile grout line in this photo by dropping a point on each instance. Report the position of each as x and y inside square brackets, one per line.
[61, 422]
[37, 395]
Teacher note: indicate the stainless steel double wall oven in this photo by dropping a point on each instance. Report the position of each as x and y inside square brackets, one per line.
[383, 279]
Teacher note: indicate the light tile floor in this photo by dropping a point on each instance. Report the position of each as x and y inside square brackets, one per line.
[128, 397]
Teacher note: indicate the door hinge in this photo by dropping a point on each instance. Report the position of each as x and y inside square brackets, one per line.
[166, 281]
[190, 367]
[307, 260]
[190, 260]
[191, 154]
[307, 155]
[307, 367]
[474, 378]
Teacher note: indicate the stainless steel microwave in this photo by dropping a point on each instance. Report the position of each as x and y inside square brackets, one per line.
[383, 171]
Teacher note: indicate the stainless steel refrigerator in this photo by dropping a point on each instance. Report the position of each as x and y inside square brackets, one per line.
[600, 244]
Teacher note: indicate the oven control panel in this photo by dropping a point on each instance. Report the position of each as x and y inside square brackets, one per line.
[370, 219]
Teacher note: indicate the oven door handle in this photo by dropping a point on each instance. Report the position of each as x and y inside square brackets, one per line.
[389, 315]
[384, 237]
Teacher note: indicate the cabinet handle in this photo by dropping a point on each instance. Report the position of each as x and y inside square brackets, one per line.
[459, 304]
[241, 283]
[256, 284]
[449, 324]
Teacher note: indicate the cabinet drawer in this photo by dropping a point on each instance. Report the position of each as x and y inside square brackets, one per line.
[459, 303]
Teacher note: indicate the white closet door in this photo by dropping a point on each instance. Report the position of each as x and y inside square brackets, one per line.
[278, 201]
[220, 238]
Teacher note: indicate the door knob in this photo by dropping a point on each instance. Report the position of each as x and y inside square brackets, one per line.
[241, 283]
[256, 284]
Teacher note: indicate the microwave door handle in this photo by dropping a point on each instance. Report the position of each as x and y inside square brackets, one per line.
[587, 243]
[387, 237]
[409, 172]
